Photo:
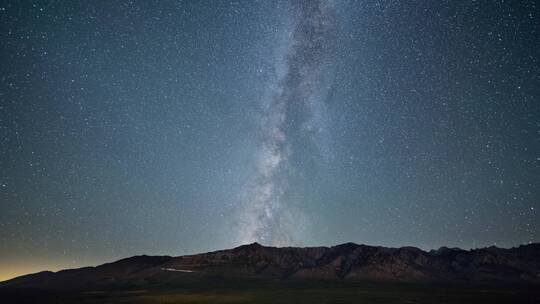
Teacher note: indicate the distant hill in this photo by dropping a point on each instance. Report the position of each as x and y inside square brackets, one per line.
[346, 262]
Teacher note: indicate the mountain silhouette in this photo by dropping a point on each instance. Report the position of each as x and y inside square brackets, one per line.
[345, 262]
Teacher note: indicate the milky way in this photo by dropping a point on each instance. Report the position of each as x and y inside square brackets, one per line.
[290, 119]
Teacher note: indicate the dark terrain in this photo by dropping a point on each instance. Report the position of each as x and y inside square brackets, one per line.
[347, 273]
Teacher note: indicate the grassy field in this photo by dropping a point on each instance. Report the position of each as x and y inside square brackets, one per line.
[276, 293]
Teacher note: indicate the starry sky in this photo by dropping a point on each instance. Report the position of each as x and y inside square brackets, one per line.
[176, 127]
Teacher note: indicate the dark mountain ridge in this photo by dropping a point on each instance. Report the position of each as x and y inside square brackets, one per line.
[347, 262]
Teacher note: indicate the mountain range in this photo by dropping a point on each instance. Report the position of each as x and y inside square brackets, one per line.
[345, 262]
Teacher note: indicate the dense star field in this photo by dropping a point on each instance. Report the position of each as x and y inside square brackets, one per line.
[176, 127]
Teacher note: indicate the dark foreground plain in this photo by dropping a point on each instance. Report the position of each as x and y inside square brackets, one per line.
[288, 292]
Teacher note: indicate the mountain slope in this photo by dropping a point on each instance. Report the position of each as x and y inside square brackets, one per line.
[347, 262]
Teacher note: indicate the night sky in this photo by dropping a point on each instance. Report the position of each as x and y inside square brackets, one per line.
[178, 127]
